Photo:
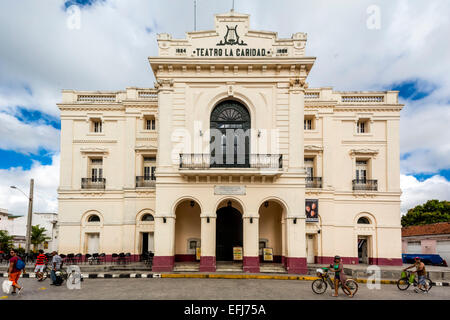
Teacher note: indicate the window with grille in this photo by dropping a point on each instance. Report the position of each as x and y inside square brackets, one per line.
[96, 167]
[362, 126]
[96, 125]
[150, 123]
[309, 166]
[361, 170]
[149, 168]
[308, 124]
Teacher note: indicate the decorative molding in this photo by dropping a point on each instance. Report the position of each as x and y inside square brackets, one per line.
[366, 151]
[145, 147]
[94, 150]
[311, 147]
[94, 141]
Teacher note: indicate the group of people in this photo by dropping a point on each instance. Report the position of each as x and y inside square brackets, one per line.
[14, 271]
[339, 275]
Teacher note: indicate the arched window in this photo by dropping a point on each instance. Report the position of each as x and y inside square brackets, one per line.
[94, 218]
[363, 220]
[230, 124]
[147, 217]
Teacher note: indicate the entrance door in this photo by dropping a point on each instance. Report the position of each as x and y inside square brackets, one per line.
[310, 249]
[147, 242]
[363, 254]
[228, 233]
[93, 241]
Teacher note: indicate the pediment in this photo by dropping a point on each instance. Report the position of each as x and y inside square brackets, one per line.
[232, 38]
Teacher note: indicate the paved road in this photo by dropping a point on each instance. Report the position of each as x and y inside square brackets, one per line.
[205, 289]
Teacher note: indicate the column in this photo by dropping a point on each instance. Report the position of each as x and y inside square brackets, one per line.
[296, 244]
[164, 258]
[251, 242]
[165, 97]
[296, 134]
[208, 243]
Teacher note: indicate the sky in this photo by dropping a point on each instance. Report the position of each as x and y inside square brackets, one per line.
[48, 46]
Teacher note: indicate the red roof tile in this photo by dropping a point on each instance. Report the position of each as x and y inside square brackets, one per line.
[435, 228]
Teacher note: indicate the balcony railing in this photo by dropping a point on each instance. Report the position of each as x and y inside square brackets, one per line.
[313, 182]
[258, 161]
[365, 185]
[96, 183]
[145, 182]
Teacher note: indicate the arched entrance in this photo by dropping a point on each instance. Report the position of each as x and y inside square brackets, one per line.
[230, 135]
[187, 230]
[229, 232]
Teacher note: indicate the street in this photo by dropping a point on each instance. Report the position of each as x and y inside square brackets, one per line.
[207, 289]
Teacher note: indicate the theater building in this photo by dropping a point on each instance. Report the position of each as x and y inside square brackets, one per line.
[231, 155]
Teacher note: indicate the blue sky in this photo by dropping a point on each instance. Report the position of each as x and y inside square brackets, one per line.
[45, 53]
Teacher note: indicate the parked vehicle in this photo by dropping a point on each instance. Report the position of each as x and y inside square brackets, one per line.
[429, 259]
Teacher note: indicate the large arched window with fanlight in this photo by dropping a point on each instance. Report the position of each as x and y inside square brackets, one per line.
[230, 135]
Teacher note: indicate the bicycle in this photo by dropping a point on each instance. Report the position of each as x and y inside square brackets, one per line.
[319, 286]
[405, 281]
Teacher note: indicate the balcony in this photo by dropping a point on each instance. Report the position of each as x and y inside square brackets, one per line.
[313, 182]
[145, 182]
[365, 185]
[96, 183]
[251, 164]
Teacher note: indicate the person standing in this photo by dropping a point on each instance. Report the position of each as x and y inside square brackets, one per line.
[14, 272]
[56, 266]
[41, 261]
[339, 276]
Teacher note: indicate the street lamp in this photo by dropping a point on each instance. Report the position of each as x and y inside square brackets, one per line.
[30, 214]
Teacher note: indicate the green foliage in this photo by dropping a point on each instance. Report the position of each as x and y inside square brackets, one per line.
[5, 241]
[38, 235]
[433, 211]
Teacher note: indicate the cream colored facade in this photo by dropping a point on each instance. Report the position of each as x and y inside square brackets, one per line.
[348, 140]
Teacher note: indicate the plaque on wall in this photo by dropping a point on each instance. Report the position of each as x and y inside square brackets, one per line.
[229, 190]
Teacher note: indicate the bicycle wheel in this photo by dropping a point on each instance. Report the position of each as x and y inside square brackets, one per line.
[403, 284]
[429, 284]
[319, 286]
[44, 275]
[352, 285]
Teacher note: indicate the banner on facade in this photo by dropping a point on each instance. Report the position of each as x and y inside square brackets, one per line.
[237, 253]
[267, 254]
[197, 253]
[312, 210]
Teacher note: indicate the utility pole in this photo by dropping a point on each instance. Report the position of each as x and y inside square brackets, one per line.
[195, 15]
[30, 216]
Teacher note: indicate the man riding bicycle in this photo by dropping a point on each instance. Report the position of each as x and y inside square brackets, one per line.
[421, 273]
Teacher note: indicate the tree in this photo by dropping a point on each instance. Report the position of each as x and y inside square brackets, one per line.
[6, 241]
[38, 236]
[433, 211]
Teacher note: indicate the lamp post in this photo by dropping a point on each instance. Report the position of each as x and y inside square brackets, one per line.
[30, 214]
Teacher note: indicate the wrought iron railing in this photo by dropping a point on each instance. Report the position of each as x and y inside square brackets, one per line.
[145, 181]
[365, 184]
[206, 161]
[93, 183]
[313, 182]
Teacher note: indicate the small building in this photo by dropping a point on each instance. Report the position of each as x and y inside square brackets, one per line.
[16, 226]
[427, 239]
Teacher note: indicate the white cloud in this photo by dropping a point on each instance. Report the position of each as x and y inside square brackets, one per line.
[417, 192]
[26, 138]
[46, 181]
